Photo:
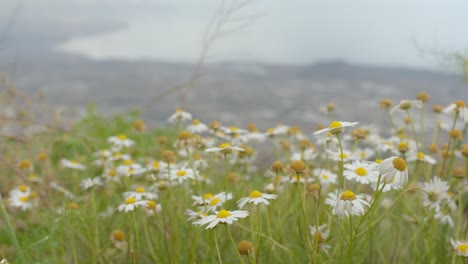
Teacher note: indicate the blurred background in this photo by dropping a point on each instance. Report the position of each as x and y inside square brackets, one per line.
[237, 61]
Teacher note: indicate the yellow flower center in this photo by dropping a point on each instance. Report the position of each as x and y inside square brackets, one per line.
[361, 171]
[270, 130]
[25, 164]
[433, 196]
[335, 124]
[223, 214]
[348, 196]
[130, 200]
[155, 165]
[74, 162]
[118, 235]
[215, 201]
[23, 188]
[233, 129]
[224, 145]
[196, 122]
[399, 164]
[207, 196]
[151, 205]
[140, 190]
[420, 155]
[363, 155]
[318, 238]
[181, 173]
[112, 173]
[24, 198]
[255, 194]
[463, 248]
[128, 162]
[378, 161]
[460, 104]
[122, 137]
[178, 111]
[325, 176]
[344, 156]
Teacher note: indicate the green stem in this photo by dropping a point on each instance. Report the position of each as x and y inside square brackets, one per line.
[233, 244]
[135, 226]
[444, 160]
[342, 180]
[217, 247]
[11, 232]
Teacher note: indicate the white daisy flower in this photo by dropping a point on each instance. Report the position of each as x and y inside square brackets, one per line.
[221, 217]
[336, 156]
[225, 148]
[179, 116]
[256, 198]
[120, 141]
[91, 182]
[308, 154]
[319, 236]
[119, 156]
[24, 202]
[130, 168]
[347, 203]
[363, 154]
[130, 204]
[192, 215]
[21, 190]
[457, 107]
[444, 218]
[182, 174]
[362, 172]
[140, 193]
[435, 193]
[197, 127]
[325, 176]
[279, 130]
[407, 104]
[152, 208]
[394, 171]
[72, 164]
[336, 127]
[420, 156]
[110, 174]
[460, 247]
[208, 197]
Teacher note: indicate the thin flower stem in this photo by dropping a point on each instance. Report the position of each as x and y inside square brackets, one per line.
[97, 247]
[391, 119]
[11, 232]
[306, 227]
[220, 261]
[444, 160]
[75, 258]
[342, 180]
[135, 226]
[413, 130]
[233, 244]
[149, 242]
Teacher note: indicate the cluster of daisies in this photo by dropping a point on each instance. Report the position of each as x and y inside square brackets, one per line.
[344, 165]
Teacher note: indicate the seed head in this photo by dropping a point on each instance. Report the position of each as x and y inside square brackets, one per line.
[385, 103]
[422, 96]
[245, 247]
[118, 235]
[277, 166]
[437, 109]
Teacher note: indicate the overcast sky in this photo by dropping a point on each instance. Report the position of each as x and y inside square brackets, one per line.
[394, 33]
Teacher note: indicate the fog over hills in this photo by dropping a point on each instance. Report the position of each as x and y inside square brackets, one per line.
[234, 93]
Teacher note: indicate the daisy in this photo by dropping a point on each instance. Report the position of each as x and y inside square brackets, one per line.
[319, 236]
[120, 141]
[221, 217]
[23, 202]
[130, 204]
[308, 154]
[233, 131]
[457, 107]
[347, 203]
[110, 174]
[279, 130]
[460, 247]
[406, 105]
[208, 197]
[256, 198]
[152, 208]
[225, 148]
[444, 218]
[91, 182]
[435, 193]
[130, 168]
[21, 190]
[336, 127]
[179, 116]
[420, 156]
[325, 176]
[394, 171]
[336, 156]
[362, 172]
[192, 215]
[72, 164]
[140, 193]
[197, 127]
[182, 175]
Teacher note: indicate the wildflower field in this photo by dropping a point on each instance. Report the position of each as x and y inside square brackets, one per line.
[112, 190]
